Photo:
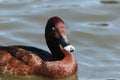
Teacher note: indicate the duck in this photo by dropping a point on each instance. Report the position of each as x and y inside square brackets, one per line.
[29, 60]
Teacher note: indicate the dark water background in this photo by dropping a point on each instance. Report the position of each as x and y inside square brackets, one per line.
[93, 27]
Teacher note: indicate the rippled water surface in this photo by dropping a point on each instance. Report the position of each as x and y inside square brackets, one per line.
[93, 27]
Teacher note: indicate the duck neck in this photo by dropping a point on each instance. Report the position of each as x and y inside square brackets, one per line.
[55, 50]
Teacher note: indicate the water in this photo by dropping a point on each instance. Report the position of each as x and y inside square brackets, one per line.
[93, 27]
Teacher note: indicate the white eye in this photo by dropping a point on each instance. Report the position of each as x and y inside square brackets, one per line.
[53, 28]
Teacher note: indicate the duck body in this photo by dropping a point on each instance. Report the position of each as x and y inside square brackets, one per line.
[26, 60]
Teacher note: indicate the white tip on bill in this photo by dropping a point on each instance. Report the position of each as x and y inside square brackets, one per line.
[69, 48]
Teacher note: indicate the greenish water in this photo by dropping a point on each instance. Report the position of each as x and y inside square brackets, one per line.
[32, 77]
[93, 27]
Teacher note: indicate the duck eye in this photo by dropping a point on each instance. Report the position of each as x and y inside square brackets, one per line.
[53, 28]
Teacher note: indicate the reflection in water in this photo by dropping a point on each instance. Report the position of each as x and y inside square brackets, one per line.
[33, 77]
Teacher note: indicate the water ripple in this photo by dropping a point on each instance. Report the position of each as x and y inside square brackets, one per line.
[110, 1]
[15, 1]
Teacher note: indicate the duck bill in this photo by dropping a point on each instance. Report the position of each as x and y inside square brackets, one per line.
[66, 44]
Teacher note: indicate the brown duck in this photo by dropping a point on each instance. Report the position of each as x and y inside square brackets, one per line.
[28, 60]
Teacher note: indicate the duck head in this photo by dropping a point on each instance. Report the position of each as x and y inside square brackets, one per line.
[56, 35]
